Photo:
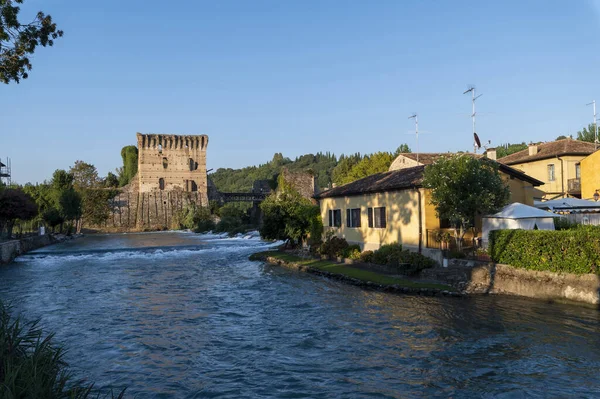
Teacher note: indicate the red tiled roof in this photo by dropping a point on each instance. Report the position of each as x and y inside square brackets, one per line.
[550, 150]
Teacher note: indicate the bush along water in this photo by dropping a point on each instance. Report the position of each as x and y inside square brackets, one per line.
[563, 251]
[407, 262]
[404, 261]
[32, 366]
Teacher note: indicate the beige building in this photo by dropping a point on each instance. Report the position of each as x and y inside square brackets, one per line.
[172, 162]
[394, 207]
[556, 163]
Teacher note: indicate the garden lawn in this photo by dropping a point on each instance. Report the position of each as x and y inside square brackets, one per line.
[348, 271]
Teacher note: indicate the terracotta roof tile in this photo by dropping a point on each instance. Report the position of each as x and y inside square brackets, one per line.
[550, 150]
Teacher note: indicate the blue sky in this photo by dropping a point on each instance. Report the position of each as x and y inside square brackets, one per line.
[298, 77]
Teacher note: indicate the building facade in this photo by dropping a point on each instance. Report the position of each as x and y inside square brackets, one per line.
[556, 163]
[394, 207]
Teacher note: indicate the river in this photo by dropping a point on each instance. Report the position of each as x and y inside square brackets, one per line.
[180, 315]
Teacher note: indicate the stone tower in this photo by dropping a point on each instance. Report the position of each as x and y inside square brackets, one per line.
[169, 162]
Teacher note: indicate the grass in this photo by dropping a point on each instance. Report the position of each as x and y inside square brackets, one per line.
[348, 271]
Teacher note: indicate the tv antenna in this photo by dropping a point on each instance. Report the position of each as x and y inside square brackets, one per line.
[595, 125]
[473, 98]
[416, 118]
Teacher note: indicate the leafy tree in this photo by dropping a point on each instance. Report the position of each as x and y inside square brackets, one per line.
[561, 137]
[18, 41]
[15, 204]
[402, 149]
[587, 133]
[111, 180]
[288, 216]
[194, 217]
[85, 175]
[69, 205]
[129, 154]
[463, 187]
[508, 149]
[61, 180]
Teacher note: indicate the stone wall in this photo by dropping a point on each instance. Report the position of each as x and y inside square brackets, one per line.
[303, 182]
[172, 163]
[504, 279]
[11, 249]
[138, 211]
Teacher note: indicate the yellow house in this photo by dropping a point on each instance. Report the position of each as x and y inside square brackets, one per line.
[394, 207]
[556, 163]
[590, 176]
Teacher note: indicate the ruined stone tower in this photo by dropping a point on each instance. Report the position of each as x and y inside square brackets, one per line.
[169, 162]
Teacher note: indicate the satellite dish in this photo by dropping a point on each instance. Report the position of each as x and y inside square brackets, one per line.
[477, 142]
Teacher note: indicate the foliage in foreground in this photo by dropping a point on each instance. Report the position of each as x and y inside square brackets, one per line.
[32, 366]
[564, 251]
[19, 40]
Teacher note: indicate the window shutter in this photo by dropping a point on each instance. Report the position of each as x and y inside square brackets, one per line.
[370, 216]
[382, 218]
[357, 217]
[330, 218]
[347, 217]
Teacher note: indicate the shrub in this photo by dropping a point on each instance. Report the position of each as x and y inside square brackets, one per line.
[564, 224]
[333, 247]
[563, 251]
[387, 254]
[406, 262]
[352, 252]
[367, 257]
[193, 217]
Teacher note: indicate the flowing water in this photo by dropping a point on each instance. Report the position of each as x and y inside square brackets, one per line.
[180, 315]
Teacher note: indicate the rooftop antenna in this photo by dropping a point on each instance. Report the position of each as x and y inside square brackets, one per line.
[473, 98]
[416, 118]
[593, 103]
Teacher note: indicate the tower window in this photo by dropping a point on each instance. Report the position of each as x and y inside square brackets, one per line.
[161, 183]
[165, 162]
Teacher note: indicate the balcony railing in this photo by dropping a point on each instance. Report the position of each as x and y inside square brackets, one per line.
[574, 186]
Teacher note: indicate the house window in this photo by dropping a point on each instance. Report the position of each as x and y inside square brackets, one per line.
[577, 171]
[379, 218]
[353, 217]
[551, 176]
[335, 218]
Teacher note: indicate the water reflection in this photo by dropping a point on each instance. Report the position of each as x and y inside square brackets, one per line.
[195, 318]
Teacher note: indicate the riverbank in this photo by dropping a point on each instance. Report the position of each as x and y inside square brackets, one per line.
[474, 277]
[9, 250]
[356, 274]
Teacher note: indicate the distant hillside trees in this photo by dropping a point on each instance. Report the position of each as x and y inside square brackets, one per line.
[505, 150]
[326, 167]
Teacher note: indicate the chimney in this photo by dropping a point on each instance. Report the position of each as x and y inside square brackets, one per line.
[533, 149]
[490, 153]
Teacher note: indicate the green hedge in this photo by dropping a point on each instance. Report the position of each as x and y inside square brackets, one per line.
[565, 251]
